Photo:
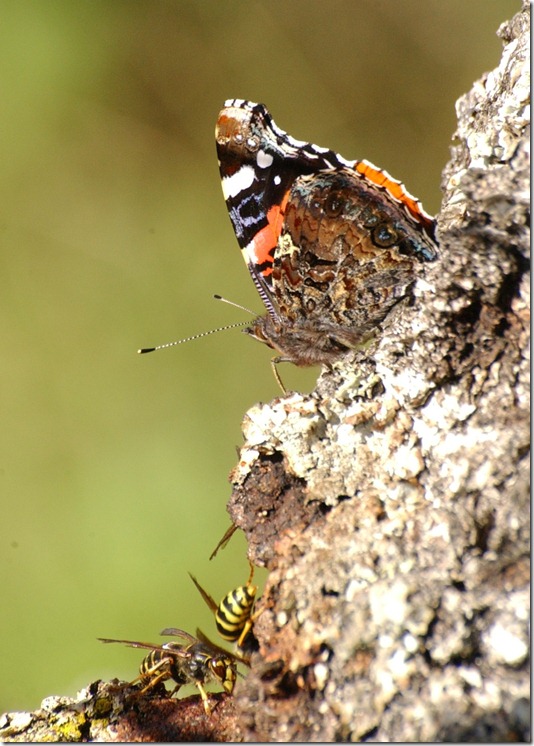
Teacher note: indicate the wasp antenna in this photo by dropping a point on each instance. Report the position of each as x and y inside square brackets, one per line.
[236, 305]
[143, 350]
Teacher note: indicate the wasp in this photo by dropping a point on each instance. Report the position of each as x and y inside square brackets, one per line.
[195, 661]
[234, 614]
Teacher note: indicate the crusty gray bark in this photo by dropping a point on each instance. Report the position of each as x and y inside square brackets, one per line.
[110, 711]
[391, 506]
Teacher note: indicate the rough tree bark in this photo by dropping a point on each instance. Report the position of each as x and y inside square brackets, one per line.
[391, 505]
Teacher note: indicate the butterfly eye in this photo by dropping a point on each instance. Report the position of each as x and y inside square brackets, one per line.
[384, 236]
[334, 205]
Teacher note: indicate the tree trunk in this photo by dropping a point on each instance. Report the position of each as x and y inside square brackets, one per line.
[391, 505]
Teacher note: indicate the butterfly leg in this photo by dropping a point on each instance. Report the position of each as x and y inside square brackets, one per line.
[274, 363]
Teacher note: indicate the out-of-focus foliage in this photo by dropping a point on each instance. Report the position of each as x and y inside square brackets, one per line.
[114, 235]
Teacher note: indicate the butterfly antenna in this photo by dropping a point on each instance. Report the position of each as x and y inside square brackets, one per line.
[235, 305]
[143, 350]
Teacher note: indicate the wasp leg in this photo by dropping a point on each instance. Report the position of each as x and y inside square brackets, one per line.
[155, 681]
[205, 698]
[253, 614]
[157, 673]
[251, 575]
[246, 629]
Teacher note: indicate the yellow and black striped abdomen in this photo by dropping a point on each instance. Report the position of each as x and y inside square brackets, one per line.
[157, 661]
[156, 667]
[234, 612]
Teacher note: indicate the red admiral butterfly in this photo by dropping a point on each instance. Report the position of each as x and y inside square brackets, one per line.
[331, 244]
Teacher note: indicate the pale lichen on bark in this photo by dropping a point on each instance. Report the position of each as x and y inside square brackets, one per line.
[115, 712]
[390, 506]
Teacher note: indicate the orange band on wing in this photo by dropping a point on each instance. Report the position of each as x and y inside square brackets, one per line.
[266, 240]
[395, 188]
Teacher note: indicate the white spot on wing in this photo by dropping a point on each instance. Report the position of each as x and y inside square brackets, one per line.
[237, 182]
[250, 253]
[263, 159]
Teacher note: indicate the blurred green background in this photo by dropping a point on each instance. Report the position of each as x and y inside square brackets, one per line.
[115, 236]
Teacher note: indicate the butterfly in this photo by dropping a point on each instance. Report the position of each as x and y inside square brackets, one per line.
[331, 245]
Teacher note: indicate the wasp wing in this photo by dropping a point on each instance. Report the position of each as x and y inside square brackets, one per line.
[132, 643]
[205, 595]
[217, 649]
[175, 632]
